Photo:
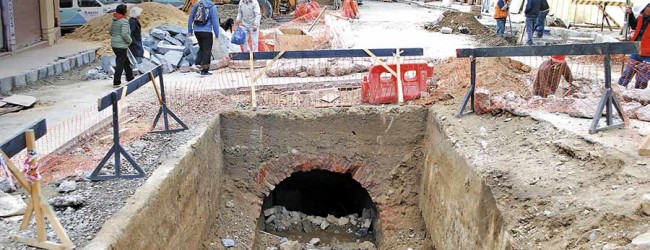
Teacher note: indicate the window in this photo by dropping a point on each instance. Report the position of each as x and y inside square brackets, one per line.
[89, 3]
[65, 4]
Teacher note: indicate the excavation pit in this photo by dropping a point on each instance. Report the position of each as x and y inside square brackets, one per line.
[391, 165]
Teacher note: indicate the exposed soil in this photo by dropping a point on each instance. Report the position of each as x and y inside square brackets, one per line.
[455, 19]
[499, 75]
[553, 188]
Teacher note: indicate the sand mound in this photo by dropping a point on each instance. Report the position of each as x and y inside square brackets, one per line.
[153, 14]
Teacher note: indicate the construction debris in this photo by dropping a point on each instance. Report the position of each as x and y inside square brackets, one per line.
[20, 100]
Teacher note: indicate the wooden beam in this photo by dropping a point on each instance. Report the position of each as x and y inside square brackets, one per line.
[16, 172]
[15, 144]
[44, 244]
[105, 102]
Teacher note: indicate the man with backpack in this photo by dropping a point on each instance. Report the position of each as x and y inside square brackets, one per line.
[203, 21]
[249, 17]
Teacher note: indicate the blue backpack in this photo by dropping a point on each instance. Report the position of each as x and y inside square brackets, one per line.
[202, 14]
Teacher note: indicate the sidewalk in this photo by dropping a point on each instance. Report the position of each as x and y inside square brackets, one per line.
[22, 68]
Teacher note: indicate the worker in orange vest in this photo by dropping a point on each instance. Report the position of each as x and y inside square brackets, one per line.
[500, 15]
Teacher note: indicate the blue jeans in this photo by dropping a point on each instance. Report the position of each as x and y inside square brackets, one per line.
[530, 27]
[639, 66]
[540, 22]
[268, 10]
[501, 26]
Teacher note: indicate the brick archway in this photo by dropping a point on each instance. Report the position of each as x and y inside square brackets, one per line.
[272, 172]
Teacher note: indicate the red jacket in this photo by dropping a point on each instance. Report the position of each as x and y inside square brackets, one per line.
[645, 37]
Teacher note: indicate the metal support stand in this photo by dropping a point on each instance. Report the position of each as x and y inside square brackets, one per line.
[469, 96]
[164, 110]
[116, 151]
[607, 102]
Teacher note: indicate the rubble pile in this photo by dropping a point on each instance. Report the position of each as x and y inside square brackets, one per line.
[153, 14]
[169, 46]
[293, 68]
[279, 219]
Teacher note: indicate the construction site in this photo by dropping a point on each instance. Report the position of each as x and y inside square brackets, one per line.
[356, 125]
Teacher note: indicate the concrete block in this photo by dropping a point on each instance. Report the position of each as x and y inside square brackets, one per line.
[72, 62]
[80, 60]
[51, 70]
[93, 55]
[6, 84]
[58, 68]
[20, 81]
[65, 65]
[86, 58]
[31, 76]
[42, 72]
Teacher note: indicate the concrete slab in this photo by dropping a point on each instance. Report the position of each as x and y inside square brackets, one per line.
[20, 100]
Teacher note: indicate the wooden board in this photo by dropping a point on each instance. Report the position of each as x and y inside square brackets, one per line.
[20, 100]
[293, 39]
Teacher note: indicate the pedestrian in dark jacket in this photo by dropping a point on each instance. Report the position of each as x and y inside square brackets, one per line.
[120, 40]
[533, 8]
[136, 34]
[541, 19]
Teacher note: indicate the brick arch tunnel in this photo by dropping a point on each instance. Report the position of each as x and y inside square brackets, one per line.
[319, 186]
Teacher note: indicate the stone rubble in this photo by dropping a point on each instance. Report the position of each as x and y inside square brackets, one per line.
[279, 219]
[170, 47]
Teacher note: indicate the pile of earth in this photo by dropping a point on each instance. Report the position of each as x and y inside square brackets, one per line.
[153, 15]
[499, 75]
[456, 19]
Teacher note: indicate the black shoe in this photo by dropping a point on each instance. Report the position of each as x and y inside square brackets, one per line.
[206, 73]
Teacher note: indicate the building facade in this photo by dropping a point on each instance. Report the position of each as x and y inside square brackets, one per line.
[25, 23]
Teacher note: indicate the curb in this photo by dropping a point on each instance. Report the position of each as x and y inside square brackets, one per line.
[56, 68]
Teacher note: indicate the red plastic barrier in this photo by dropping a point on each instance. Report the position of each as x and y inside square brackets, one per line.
[307, 11]
[350, 9]
[380, 86]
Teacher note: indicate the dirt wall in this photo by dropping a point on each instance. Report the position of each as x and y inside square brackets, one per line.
[461, 212]
[172, 210]
[374, 144]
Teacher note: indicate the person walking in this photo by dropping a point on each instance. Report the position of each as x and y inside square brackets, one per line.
[486, 6]
[249, 17]
[500, 15]
[638, 63]
[120, 33]
[268, 9]
[136, 34]
[203, 21]
[541, 19]
[532, 12]
[549, 75]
